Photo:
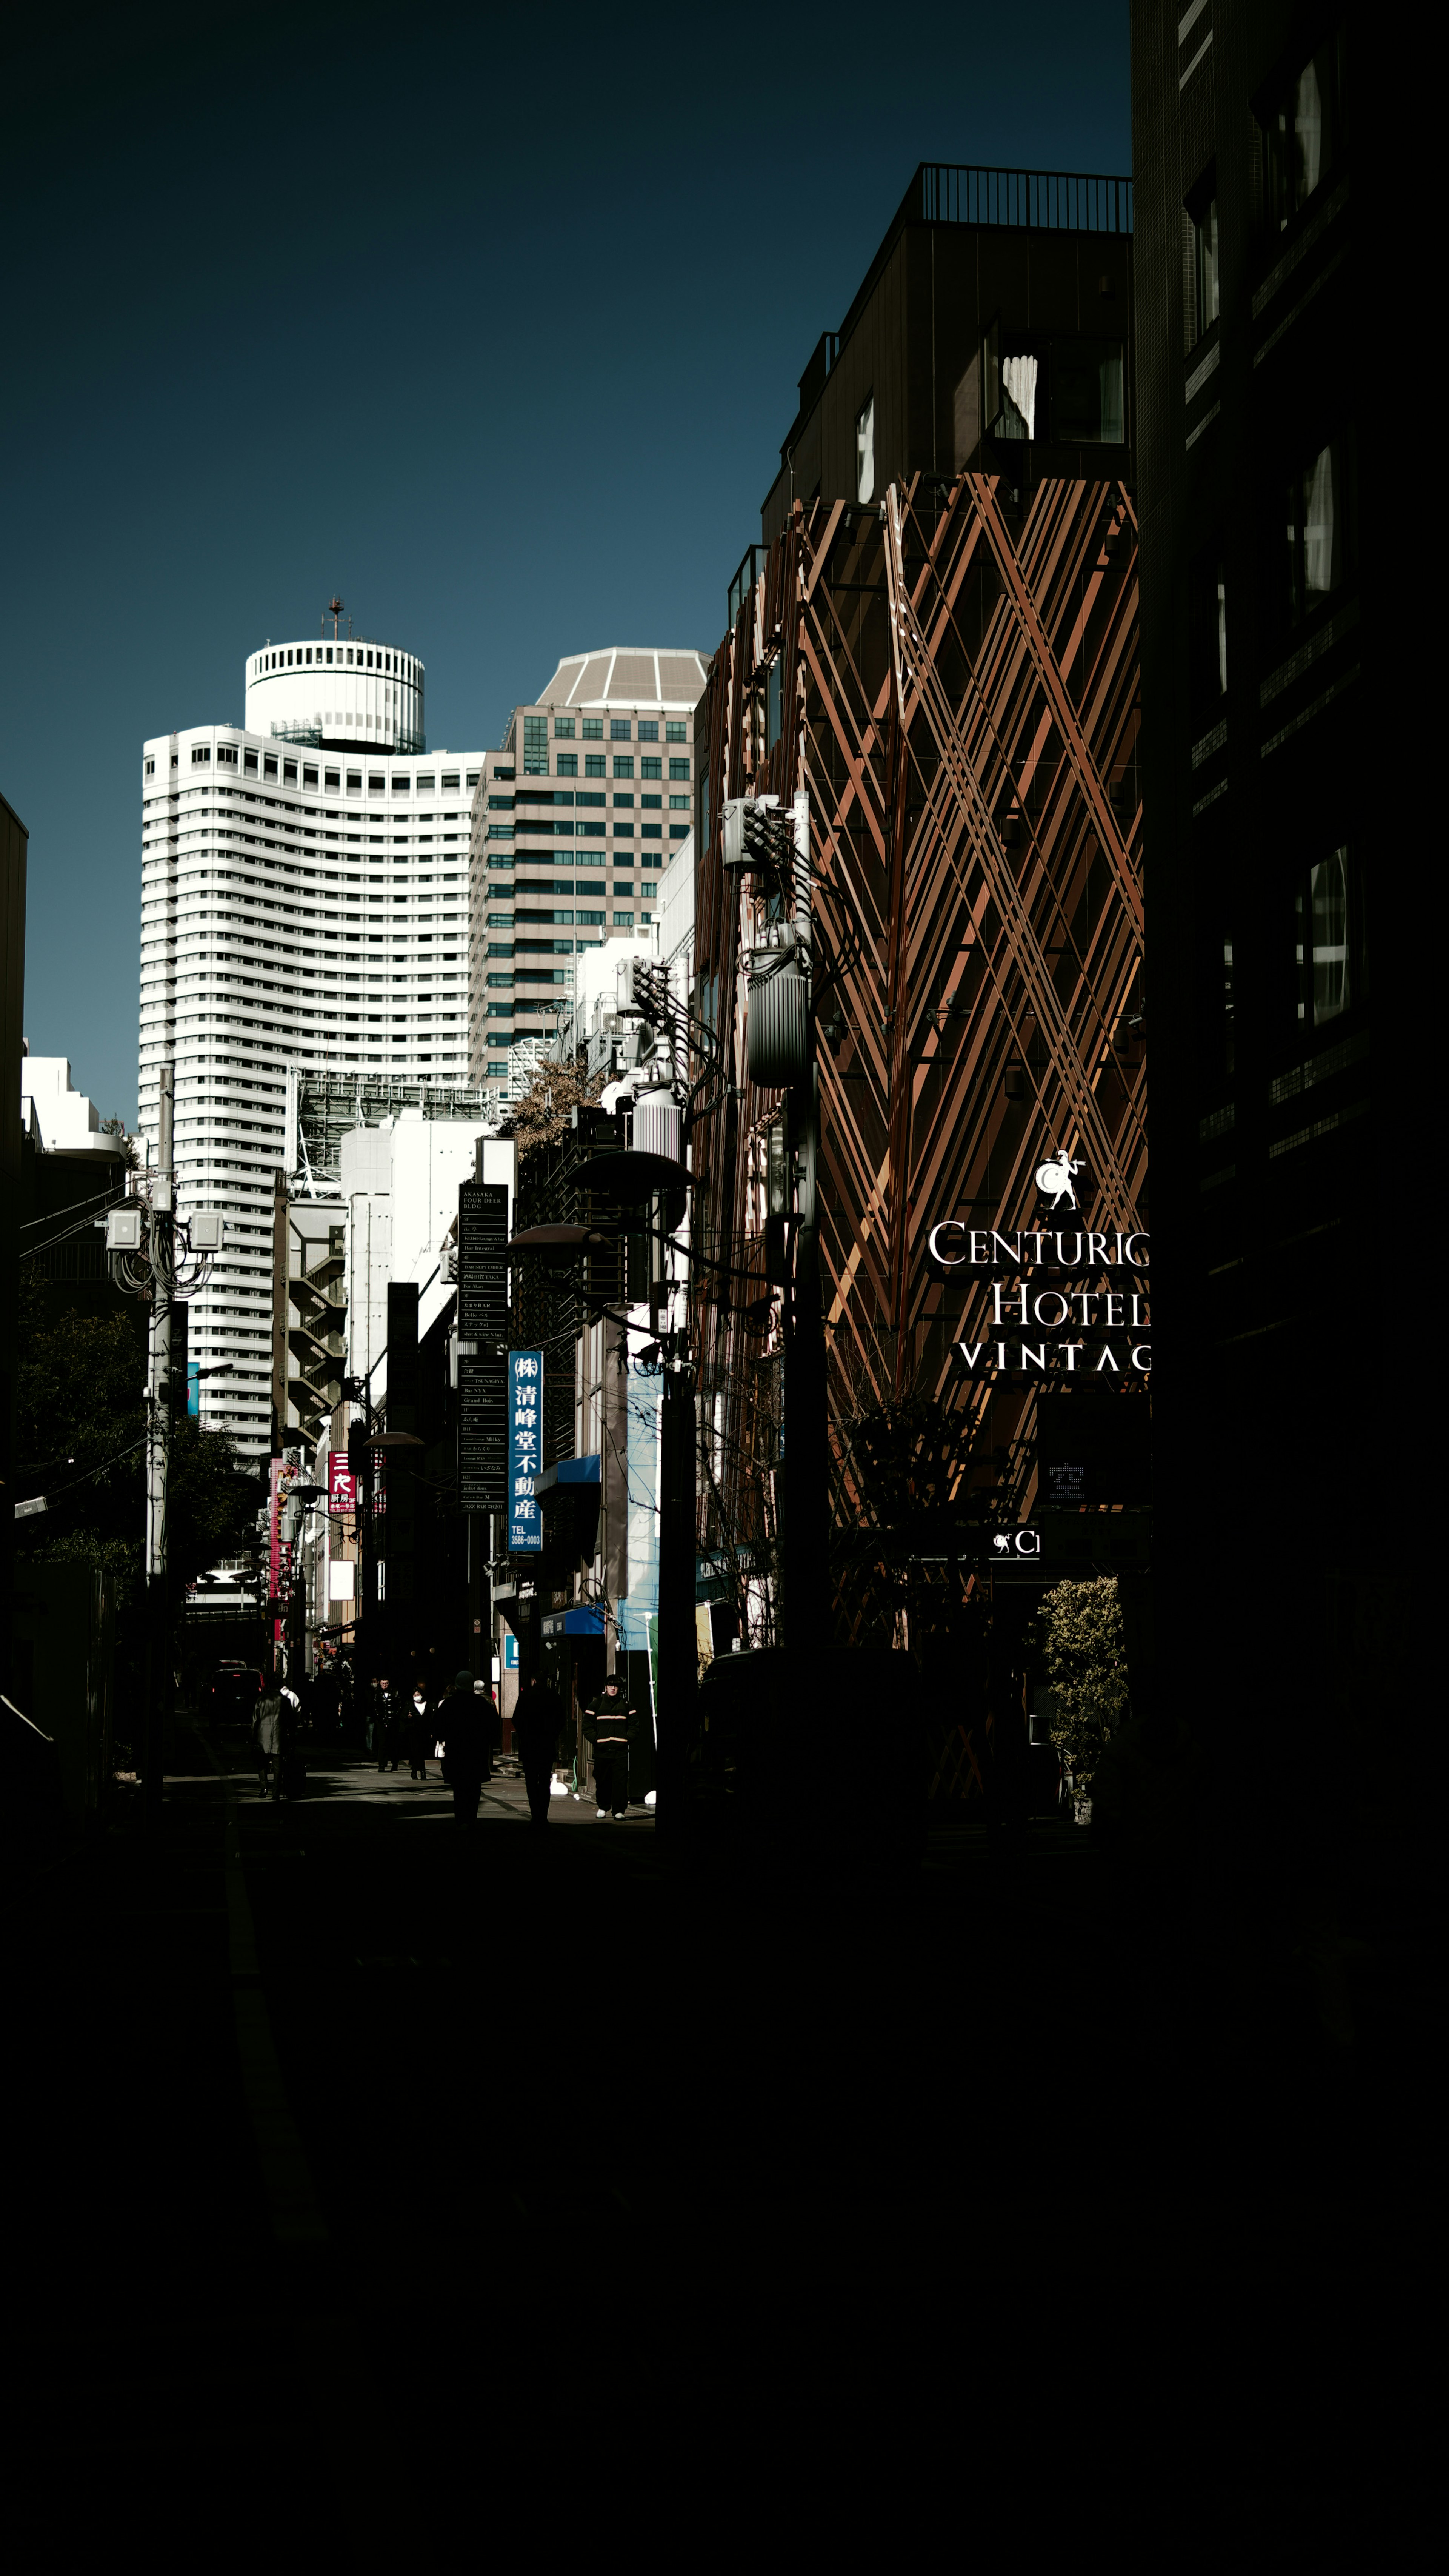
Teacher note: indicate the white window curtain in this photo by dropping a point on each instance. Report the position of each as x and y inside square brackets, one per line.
[1018, 377]
[1308, 131]
[865, 452]
[1318, 525]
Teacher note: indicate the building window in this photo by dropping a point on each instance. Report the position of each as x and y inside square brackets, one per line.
[1304, 133]
[200, 751]
[651, 831]
[1202, 215]
[865, 450]
[1325, 938]
[249, 763]
[619, 729]
[567, 764]
[648, 732]
[679, 804]
[648, 890]
[150, 768]
[651, 768]
[563, 728]
[675, 732]
[596, 918]
[1087, 395]
[592, 728]
[375, 786]
[623, 769]
[1207, 635]
[289, 772]
[334, 782]
[269, 765]
[1318, 528]
[309, 776]
[679, 769]
[652, 804]
[623, 921]
[535, 746]
[679, 831]
[472, 778]
[595, 765]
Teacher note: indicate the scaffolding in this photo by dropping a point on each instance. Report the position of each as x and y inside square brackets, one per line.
[323, 1107]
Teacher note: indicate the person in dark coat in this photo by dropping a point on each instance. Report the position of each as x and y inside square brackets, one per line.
[537, 1719]
[384, 1725]
[420, 1726]
[267, 1737]
[609, 1722]
[492, 1726]
[464, 1724]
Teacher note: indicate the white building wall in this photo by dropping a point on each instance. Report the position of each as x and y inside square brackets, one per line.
[298, 906]
[60, 1118]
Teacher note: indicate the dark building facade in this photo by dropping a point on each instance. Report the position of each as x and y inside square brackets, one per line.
[936, 640]
[1277, 925]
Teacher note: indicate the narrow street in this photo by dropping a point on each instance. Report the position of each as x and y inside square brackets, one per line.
[310, 2095]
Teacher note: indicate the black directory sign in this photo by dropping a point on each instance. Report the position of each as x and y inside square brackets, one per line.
[482, 1345]
[483, 1264]
[482, 1433]
[1066, 1482]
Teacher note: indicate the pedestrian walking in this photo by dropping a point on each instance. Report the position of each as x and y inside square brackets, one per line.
[420, 1729]
[267, 1737]
[291, 1765]
[464, 1724]
[537, 1720]
[384, 1724]
[609, 1721]
[489, 1706]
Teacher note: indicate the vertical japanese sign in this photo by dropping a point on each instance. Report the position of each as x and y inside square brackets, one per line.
[483, 1407]
[284, 1477]
[341, 1484]
[525, 1456]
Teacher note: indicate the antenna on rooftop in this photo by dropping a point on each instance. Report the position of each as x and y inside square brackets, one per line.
[333, 610]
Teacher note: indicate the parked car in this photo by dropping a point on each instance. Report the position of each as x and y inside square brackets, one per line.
[232, 1694]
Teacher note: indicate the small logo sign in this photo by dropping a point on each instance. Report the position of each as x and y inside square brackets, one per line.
[1055, 1177]
[1021, 1542]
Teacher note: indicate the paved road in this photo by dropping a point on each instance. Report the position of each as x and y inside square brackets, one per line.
[315, 2095]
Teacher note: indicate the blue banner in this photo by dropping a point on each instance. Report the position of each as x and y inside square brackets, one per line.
[525, 1450]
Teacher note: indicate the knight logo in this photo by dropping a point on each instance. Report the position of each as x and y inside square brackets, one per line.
[1054, 1177]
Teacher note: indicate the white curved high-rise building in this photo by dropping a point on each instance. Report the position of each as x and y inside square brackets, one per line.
[304, 902]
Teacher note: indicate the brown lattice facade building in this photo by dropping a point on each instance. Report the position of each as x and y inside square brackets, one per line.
[937, 640]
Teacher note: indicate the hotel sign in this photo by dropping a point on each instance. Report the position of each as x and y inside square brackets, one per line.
[1048, 1300]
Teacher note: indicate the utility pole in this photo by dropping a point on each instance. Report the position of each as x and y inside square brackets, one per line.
[773, 845]
[153, 1255]
[158, 1448]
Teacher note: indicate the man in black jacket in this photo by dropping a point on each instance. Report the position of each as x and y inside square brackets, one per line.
[609, 1721]
[464, 1732]
[537, 1718]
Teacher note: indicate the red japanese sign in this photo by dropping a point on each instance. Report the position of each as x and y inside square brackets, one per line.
[341, 1483]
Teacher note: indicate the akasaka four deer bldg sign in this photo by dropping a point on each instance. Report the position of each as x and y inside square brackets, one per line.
[1045, 1301]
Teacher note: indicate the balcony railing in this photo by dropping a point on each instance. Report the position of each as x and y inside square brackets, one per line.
[1072, 201]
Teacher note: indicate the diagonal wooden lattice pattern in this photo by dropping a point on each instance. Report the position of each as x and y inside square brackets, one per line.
[956, 685]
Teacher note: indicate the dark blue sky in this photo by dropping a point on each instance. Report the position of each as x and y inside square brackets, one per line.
[491, 323]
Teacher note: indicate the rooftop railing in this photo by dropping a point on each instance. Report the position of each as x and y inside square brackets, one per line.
[1071, 201]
